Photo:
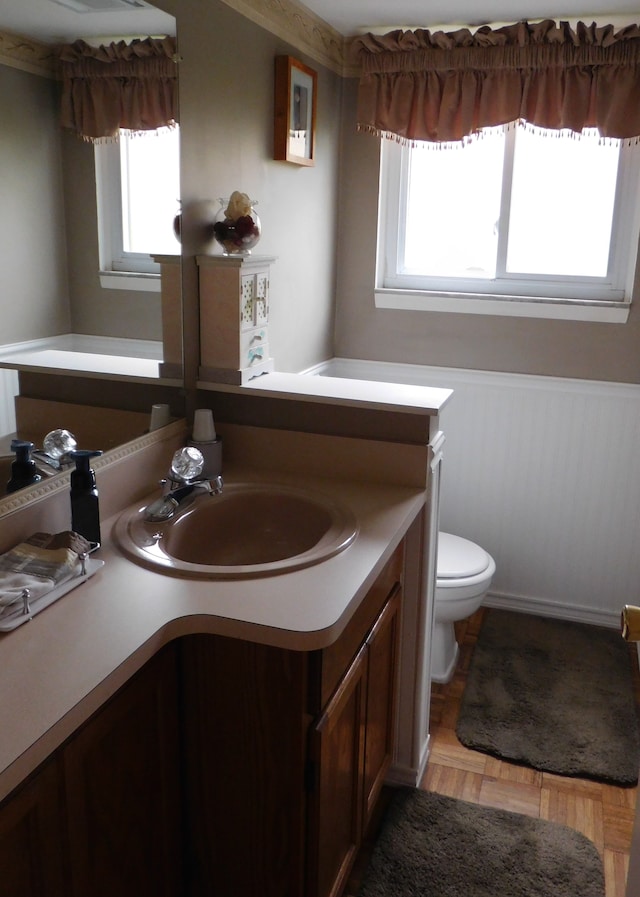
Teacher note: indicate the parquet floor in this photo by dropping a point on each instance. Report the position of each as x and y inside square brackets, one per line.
[603, 813]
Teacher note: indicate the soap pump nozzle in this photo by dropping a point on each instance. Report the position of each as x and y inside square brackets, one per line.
[23, 470]
[85, 510]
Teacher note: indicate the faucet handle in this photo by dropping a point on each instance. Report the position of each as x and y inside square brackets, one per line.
[187, 464]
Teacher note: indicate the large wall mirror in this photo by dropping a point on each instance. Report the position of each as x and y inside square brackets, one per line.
[68, 333]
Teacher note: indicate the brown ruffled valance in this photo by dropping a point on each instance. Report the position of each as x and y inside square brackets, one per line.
[447, 86]
[133, 86]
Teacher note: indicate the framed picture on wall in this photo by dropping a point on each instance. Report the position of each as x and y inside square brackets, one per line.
[294, 134]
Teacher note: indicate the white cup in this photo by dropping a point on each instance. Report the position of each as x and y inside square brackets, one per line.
[203, 427]
[160, 416]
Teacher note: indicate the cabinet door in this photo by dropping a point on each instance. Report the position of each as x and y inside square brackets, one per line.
[32, 847]
[122, 785]
[381, 690]
[245, 752]
[335, 800]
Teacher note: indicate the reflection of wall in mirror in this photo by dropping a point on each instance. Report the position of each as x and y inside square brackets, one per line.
[48, 243]
[34, 301]
[48, 229]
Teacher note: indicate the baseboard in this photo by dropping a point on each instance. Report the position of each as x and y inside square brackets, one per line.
[543, 608]
[408, 777]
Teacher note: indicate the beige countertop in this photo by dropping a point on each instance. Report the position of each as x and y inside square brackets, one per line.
[64, 664]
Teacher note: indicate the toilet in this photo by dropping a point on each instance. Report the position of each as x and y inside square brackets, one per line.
[463, 577]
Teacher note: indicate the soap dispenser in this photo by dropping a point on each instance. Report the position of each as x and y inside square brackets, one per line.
[23, 470]
[85, 511]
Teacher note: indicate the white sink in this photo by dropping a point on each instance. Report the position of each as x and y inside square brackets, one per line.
[248, 530]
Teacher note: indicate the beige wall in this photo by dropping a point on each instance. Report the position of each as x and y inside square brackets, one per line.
[33, 297]
[48, 231]
[94, 310]
[226, 118]
[557, 348]
[319, 222]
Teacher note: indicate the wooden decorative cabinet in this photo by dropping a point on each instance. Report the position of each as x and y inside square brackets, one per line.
[234, 317]
[171, 303]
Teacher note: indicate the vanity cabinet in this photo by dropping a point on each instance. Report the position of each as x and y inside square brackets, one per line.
[32, 843]
[122, 789]
[103, 815]
[287, 752]
[223, 768]
[350, 750]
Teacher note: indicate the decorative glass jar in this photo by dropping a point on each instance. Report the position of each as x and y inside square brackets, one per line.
[237, 225]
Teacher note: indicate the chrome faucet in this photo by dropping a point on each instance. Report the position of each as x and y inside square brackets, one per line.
[184, 480]
[165, 507]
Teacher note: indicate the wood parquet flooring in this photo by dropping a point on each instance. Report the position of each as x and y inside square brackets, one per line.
[604, 813]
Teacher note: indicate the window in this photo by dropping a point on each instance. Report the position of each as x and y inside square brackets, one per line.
[520, 221]
[138, 187]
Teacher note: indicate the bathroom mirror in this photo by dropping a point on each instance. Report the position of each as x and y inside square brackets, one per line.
[48, 223]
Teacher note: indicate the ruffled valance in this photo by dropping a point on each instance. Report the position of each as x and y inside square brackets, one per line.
[133, 86]
[447, 86]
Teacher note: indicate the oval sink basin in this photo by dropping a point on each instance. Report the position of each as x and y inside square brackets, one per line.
[248, 530]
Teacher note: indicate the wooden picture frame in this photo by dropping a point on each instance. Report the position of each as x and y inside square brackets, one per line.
[294, 132]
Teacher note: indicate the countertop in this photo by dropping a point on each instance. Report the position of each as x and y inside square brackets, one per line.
[62, 666]
[342, 391]
[135, 361]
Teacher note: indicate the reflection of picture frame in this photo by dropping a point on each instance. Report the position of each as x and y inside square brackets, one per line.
[294, 134]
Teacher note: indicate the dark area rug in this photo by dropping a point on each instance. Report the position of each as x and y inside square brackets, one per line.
[553, 695]
[435, 846]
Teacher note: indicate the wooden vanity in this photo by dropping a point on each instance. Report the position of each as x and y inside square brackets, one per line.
[191, 738]
[223, 767]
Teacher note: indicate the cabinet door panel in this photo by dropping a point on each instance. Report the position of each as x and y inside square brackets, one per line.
[32, 846]
[245, 755]
[381, 690]
[335, 802]
[122, 785]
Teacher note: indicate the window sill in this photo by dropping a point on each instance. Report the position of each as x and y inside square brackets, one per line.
[128, 280]
[505, 306]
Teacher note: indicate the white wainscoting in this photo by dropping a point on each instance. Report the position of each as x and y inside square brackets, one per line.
[8, 391]
[544, 473]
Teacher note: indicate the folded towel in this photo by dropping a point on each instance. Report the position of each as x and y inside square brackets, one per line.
[39, 564]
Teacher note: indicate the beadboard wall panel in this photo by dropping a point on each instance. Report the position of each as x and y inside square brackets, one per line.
[544, 473]
[8, 391]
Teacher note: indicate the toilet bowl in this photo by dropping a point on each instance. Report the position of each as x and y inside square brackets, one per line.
[464, 574]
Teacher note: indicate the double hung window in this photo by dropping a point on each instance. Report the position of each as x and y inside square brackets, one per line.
[138, 188]
[519, 221]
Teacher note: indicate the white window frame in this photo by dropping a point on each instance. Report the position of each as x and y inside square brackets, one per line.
[598, 299]
[119, 270]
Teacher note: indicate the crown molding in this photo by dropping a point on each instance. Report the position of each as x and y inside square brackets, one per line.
[300, 27]
[27, 54]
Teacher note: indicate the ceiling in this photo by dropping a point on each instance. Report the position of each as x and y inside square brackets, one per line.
[52, 22]
[355, 16]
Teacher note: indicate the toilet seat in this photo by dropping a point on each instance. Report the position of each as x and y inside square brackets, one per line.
[459, 558]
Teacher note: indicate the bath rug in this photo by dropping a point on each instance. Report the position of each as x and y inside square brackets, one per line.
[553, 695]
[436, 846]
